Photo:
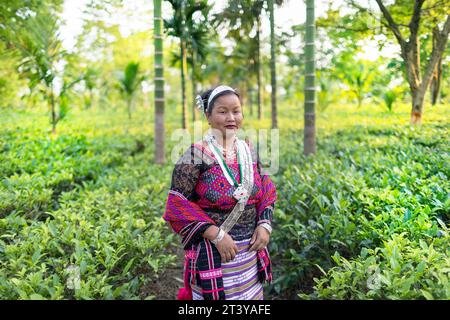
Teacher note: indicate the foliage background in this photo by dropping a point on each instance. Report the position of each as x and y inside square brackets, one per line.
[367, 217]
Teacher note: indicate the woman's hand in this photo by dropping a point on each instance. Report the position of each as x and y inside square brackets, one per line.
[227, 248]
[260, 239]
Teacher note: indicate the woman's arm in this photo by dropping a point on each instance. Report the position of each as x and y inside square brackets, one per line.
[211, 232]
[226, 246]
[184, 215]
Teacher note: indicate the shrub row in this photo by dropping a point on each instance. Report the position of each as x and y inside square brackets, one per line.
[365, 192]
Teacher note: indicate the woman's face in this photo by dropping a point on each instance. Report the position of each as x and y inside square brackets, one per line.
[226, 115]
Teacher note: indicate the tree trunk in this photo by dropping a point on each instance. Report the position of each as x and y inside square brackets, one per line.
[183, 85]
[436, 83]
[243, 94]
[183, 69]
[309, 139]
[418, 97]
[410, 53]
[258, 67]
[53, 111]
[418, 84]
[273, 76]
[435, 86]
[194, 90]
[159, 85]
[129, 99]
[360, 100]
[91, 97]
[250, 98]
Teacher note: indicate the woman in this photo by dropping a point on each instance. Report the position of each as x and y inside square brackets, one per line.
[221, 205]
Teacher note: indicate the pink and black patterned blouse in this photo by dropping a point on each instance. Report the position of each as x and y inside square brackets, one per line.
[201, 196]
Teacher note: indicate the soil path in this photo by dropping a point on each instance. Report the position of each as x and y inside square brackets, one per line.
[166, 285]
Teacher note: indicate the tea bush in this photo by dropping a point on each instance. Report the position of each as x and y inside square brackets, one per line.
[398, 269]
[365, 218]
[86, 205]
[339, 211]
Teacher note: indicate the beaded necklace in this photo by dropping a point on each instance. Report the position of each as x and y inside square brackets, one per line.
[229, 155]
[241, 193]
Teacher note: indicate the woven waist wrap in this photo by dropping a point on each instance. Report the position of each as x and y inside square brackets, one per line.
[244, 227]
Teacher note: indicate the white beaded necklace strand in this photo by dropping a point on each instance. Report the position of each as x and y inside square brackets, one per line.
[230, 155]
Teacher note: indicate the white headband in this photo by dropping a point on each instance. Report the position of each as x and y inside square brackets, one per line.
[213, 94]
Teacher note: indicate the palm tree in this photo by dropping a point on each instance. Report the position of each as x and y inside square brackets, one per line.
[197, 49]
[159, 84]
[244, 74]
[241, 18]
[309, 139]
[36, 41]
[90, 80]
[256, 8]
[258, 66]
[177, 27]
[129, 82]
[273, 74]
[359, 77]
[183, 56]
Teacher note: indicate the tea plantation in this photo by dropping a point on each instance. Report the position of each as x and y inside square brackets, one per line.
[366, 218]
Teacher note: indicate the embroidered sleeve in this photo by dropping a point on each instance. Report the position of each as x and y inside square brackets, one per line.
[185, 175]
[183, 214]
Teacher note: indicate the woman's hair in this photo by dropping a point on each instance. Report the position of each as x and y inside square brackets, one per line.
[205, 96]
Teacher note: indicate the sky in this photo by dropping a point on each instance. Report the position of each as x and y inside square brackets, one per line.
[291, 13]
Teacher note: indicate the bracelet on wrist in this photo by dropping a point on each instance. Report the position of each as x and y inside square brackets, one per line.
[266, 226]
[219, 236]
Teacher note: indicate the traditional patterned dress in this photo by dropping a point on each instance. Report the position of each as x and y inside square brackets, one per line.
[201, 196]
